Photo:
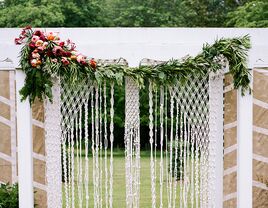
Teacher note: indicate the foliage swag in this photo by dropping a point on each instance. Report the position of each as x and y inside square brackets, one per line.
[44, 56]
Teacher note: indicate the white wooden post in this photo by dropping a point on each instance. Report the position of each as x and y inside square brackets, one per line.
[244, 151]
[216, 139]
[25, 146]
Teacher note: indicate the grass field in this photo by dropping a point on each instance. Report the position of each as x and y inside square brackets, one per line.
[119, 183]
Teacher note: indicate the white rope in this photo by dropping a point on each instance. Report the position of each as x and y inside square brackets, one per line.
[151, 134]
[176, 154]
[111, 143]
[161, 144]
[171, 147]
[72, 165]
[86, 154]
[80, 158]
[97, 176]
[93, 147]
[100, 138]
[105, 146]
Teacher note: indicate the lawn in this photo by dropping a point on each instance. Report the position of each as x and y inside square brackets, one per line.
[119, 183]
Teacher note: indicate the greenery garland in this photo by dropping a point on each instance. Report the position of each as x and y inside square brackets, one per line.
[45, 56]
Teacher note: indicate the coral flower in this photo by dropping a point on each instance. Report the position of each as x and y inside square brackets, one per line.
[93, 63]
[50, 36]
[73, 57]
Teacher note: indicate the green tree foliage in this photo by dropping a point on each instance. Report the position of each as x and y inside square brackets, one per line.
[47, 13]
[251, 14]
[9, 197]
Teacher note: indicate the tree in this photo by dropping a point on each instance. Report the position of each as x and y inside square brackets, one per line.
[251, 14]
[46, 13]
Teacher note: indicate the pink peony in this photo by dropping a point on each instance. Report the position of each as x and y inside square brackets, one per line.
[35, 55]
[35, 38]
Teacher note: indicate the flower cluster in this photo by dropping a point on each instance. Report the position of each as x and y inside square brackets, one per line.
[43, 45]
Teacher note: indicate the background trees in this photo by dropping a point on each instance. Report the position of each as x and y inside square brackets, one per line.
[134, 13]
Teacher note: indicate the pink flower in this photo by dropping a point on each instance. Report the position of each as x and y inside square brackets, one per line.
[35, 38]
[35, 55]
[65, 61]
[18, 41]
[34, 62]
[54, 60]
[57, 50]
[80, 58]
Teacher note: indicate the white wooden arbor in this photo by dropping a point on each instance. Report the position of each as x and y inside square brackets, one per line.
[161, 44]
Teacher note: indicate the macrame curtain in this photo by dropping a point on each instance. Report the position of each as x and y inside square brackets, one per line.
[181, 136]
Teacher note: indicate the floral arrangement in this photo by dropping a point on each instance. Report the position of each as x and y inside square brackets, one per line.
[45, 56]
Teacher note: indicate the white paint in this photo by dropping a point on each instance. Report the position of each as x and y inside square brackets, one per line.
[25, 147]
[244, 149]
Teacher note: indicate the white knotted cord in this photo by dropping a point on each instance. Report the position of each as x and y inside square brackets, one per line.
[86, 153]
[105, 146]
[151, 134]
[161, 144]
[111, 143]
[132, 144]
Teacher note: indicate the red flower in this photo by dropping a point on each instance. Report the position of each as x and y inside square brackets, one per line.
[38, 33]
[65, 61]
[32, 45]
[67, 53]
[61, 44]
[49, 53]
[93, 63]
[42, 37]
[18, 41]
[28, 27]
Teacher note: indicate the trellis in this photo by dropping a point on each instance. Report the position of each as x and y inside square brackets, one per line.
[190, 117]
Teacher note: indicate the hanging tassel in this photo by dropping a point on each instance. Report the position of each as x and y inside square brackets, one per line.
[161, 144]
[111, 143]
[151, 134]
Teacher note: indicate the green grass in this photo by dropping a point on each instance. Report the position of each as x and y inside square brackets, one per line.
[119, 182]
